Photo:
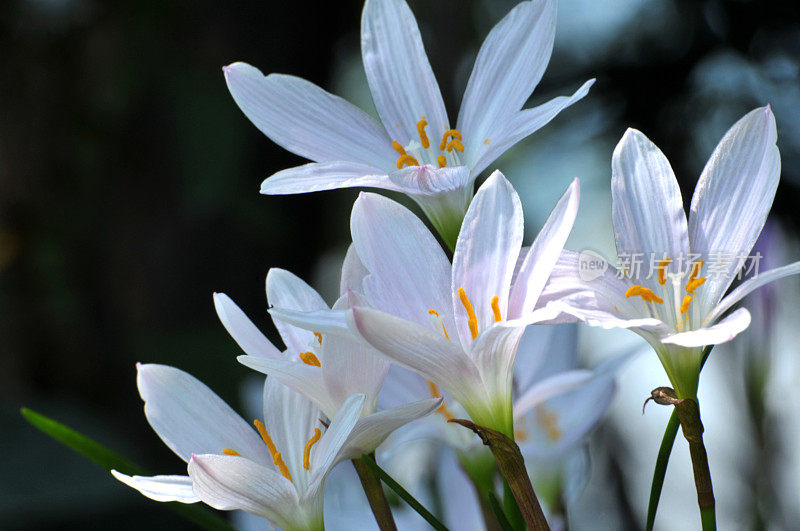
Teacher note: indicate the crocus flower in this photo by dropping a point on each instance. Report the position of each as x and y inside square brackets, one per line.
[276, 470]
[678, 305]
[457, 326]
[413, 149]
[327, 368]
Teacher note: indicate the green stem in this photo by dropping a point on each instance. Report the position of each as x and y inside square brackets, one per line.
[375, 495]
[663, 455]
[661, 468]
[369, 461]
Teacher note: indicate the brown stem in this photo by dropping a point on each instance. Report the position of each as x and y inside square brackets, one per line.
[512, 467]
[375, 495]
[688, 412]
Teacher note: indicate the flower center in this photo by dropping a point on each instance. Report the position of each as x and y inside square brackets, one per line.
[414, 152]
[277, 458]
[472, 319]
[680, 304]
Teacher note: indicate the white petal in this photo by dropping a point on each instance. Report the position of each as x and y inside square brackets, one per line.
[409, 272]
[544, 253]
[548, 388]
[494, 352]
[519, 126]
[734, 195]
[486, 253]
[602, 291]
[328, 452]
[243, 331]
[353, 272]
[509, 65]
[370, 431]
[748, 286]
[331, 175]
[535, 360]
[351, 365]
[290, 419]
[190, 418]
[443, 194]
[721, 332]
[648, 327]
[302, 378]
[534, 354]
[322, 321]
[573, 413]
[647, 208]
[400, 78]
[418, 348]
[161, 488]
[303, 118]
[425, 180]
[229, 482]
[287, 291]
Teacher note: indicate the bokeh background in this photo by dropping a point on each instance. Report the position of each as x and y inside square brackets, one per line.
[130, 183]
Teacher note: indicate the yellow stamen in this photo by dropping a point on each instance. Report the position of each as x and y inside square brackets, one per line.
[436, 394]
[398, 147]
[486, 142]
[406, 160]
[278, 460]
[434, 312]
[309, 358]
[307, 451]
[262, 430]
[273, 451]
[696, 267]
[549, 421]
[496, 308]
[694, 284]
[319, 337]
[422, 136]
[228, 451]
[685, 304]
[455, 133]
[442, 161]
[644, 293]
[662, 265]
[472, 320]
[455, 143]
[695, 281]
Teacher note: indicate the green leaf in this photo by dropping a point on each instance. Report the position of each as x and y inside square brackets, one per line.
[498, 512]
[102, 456]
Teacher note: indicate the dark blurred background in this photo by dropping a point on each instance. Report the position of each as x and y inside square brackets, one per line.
[130, 183]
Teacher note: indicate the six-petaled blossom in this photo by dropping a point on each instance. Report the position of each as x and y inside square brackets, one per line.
[456, 325]
[275, 469]
[327, 368]
[681, 307]
[413, 149]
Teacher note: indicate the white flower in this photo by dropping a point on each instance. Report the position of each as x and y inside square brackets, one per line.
[276, 470]
[413, 150]
[678, 308]
[458, 326]
[327, 368]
